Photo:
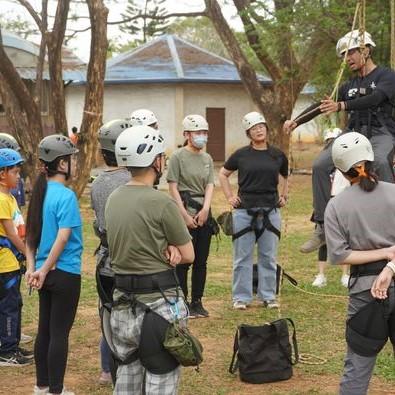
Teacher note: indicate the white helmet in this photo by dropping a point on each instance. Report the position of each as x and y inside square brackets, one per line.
[193, 123]
[251, 119]
[332, 133]
[352, 40]
[110, 131]
[350, 149]
[138, 146]
[142, 117]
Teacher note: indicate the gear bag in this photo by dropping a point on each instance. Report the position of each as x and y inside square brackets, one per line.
[182, 345]
[225, 221]
[263, 354]
[156, 331]
[368, 330]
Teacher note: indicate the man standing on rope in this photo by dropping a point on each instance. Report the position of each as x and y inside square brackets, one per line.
[368, 98]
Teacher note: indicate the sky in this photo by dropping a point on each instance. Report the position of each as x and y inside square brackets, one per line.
[81, 44]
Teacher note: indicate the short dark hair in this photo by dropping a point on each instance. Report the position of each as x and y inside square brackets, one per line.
[138, 171]
[74, 129]
[109, 158]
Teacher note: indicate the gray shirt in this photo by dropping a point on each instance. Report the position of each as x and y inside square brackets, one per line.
[358, 220]
[102, 187]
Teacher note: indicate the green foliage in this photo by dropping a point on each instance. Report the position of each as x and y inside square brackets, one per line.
[144, 18]
[18, 25]
[200, 32]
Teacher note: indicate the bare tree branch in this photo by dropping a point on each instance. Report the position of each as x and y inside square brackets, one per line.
[41, 57]
[94, 93]
[159, 17]
[254, 39]
[32, 12]
[54, 42]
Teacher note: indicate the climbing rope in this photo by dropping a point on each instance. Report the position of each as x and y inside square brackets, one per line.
[360, 13]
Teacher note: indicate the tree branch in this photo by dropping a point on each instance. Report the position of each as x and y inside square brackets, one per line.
[159, 17]
[244, 68]
[254, 40]
[32, 12]
[94, 93]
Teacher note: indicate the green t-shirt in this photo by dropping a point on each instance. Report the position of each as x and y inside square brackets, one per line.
[192, 171]
[141, 222]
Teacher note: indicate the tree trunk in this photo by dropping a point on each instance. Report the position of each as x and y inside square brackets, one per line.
[27, 141]
[55, 42]
[275, 102]
[94, 93]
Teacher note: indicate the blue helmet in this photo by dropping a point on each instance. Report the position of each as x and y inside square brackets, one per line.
[9, 157]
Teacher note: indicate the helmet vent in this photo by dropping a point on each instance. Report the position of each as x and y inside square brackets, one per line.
[141, 148]
[150, 148]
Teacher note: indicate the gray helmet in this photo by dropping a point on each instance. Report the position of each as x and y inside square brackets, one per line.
[109, 133]
[54, 146]
[8, 141]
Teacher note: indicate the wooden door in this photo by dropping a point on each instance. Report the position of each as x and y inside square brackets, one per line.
[216, 139]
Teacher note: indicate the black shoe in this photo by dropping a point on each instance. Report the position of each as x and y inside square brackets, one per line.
[14, 359]
[25, 353]
[198, 310]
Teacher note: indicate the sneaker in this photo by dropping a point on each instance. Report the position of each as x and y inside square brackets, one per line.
[319, 281]
[105, 378]
[198, 310]
[239, 305]
[40, 391]
[271, 304]
[14, 359]
[344, 280]
[25, 353]
[25, 339]
[317, 240]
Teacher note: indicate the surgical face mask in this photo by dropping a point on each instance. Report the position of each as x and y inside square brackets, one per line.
[199, 141]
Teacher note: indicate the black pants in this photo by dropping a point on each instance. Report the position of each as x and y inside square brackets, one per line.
[59, 298]
[201, 239]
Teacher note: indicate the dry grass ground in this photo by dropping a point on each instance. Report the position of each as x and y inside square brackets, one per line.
[319, 319]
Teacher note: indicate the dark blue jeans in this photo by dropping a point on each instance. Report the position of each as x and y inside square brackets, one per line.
[10, 313]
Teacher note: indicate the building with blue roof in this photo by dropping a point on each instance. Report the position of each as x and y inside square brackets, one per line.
[24, 55]
[173, 78]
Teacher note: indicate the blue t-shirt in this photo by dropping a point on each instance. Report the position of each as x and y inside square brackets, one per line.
[61, 210]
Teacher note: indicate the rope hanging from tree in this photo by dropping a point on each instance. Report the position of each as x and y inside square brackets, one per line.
[360, 13]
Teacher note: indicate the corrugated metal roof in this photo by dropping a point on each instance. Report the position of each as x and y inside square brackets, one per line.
[171, 59]
[73, 67]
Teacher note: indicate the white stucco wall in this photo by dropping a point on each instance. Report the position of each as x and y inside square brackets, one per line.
[233, 98]
[121, 100]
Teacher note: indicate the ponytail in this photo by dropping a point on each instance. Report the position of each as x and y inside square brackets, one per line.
[34, 221]
[368, 179]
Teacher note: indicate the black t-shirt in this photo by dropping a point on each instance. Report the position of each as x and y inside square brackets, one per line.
[380, 78]
[258, 172]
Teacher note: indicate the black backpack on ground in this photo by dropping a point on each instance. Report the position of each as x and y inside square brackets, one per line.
[263, 354]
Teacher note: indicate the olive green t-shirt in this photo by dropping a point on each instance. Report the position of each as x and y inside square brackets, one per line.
[192, 171]
[141, 222]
